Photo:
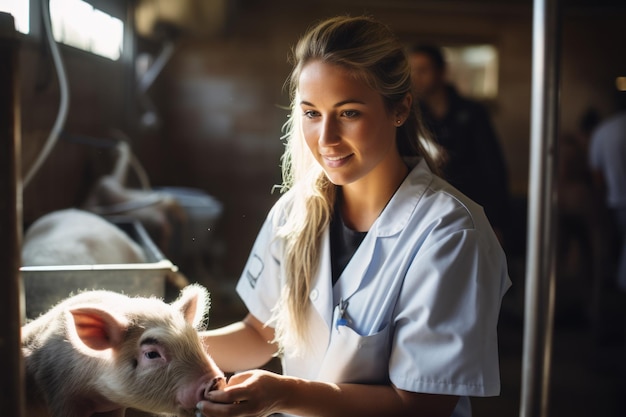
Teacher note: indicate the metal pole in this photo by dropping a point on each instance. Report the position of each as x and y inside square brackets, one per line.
[12, 385]
[540, 261]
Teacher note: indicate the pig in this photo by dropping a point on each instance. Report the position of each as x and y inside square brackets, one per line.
[77, 237]
[103, 352]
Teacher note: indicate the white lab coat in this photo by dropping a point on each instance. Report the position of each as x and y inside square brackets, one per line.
[423, 293]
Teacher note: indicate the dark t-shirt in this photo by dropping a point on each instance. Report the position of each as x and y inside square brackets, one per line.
[343, 243]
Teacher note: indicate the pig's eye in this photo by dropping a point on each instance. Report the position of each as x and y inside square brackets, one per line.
[153, 354]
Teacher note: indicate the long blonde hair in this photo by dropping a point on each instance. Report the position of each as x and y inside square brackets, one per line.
[373, 54]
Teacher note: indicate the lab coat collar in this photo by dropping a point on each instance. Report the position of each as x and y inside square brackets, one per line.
[396, 215]
[322, 294]
[391, 221]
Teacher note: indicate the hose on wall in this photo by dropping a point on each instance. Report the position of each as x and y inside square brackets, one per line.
[64, 100]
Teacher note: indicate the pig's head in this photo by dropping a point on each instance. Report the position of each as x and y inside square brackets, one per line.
[150, 356]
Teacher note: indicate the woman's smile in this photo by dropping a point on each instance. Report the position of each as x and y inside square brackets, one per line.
[336, 161]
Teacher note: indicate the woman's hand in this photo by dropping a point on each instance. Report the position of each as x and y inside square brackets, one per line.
[252, 393]
[260, 393]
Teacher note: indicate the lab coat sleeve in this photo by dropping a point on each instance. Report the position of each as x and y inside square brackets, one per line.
[259, 284]
[445, 339]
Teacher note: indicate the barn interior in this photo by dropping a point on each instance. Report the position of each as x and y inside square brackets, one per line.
[170, 114]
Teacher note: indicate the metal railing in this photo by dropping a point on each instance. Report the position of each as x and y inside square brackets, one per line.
[540, 254]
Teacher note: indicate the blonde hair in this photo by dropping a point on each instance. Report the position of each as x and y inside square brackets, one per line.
[370, 51]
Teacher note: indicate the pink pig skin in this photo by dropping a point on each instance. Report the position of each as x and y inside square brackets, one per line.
[102, 352]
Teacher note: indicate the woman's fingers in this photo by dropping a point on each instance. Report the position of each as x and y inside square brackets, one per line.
[216, 409]
[229, 396]
[246, 394]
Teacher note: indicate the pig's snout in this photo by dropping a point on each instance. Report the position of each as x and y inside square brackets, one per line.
[215, 384]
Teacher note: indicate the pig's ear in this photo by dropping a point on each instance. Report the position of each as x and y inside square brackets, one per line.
[95, 328]
[193, 303]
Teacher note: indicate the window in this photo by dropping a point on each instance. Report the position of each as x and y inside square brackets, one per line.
[78, 24]
[473, 69]
[20, 11]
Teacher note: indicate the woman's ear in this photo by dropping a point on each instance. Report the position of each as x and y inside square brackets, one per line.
[403, 109]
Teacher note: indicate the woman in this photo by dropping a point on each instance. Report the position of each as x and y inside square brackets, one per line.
[377, 283]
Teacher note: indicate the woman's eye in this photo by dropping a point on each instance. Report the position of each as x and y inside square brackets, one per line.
[310, 114]
[350, 114]
[152, 354]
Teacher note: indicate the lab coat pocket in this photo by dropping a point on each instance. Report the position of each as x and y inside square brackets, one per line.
[353, 358]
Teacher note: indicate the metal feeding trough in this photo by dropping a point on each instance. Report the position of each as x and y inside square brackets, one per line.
[45, 286]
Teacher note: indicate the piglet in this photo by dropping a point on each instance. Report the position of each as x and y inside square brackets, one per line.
[103, 352]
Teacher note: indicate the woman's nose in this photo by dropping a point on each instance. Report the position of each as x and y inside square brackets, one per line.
[329, 133]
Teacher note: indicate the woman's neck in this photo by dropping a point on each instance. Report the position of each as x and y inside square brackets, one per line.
[363, 201]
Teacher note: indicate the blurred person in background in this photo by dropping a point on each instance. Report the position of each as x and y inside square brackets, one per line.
[475, 162]
[607, 158]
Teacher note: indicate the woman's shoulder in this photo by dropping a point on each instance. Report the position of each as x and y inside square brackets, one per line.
[449, 200]
[442, 207]
[445, 211]
[437, 198]
[426, 207]
[445, 217]
[280, 211]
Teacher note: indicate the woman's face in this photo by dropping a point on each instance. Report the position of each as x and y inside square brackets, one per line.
[346, 125]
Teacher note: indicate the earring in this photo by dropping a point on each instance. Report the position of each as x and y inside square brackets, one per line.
[398, 122]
